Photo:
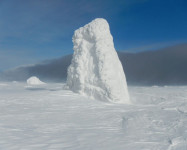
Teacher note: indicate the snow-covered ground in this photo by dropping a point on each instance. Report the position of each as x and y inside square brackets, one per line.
[46, 117]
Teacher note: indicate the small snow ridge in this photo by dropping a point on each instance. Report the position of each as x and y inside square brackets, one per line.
[178, 144]
[34, 81]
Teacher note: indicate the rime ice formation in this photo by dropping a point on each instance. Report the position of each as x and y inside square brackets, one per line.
[34, 81]
[95, 69]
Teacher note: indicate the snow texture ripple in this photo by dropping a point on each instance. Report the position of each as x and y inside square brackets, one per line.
[96, 70]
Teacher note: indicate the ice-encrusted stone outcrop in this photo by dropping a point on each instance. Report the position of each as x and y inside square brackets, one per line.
[95, 69]
[34, 81]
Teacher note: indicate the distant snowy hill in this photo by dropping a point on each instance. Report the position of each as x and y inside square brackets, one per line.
[162, 67]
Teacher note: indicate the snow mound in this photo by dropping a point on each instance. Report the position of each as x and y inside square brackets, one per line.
[96, 70]
[34, 81]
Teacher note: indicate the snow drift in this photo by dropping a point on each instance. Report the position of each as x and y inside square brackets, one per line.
[95, 68]
[34, 81]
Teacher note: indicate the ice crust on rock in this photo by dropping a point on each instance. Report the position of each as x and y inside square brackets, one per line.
[34, 81]
[95, 69]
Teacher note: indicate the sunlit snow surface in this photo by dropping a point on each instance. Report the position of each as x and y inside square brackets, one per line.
[47, 117]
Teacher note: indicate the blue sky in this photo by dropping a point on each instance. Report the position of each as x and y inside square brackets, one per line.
[34, 30]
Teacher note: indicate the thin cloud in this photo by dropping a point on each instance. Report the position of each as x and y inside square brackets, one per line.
[11, 58]
[154, 46]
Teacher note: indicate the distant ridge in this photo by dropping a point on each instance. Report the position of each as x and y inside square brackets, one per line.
[166, 66]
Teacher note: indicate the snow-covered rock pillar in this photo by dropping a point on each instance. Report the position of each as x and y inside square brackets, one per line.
[95, 69]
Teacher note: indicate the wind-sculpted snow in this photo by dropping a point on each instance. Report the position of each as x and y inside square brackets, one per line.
[52, 118]
[34, 81]
[95, 69]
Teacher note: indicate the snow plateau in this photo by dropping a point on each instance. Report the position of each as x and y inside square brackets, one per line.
[96, 70]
